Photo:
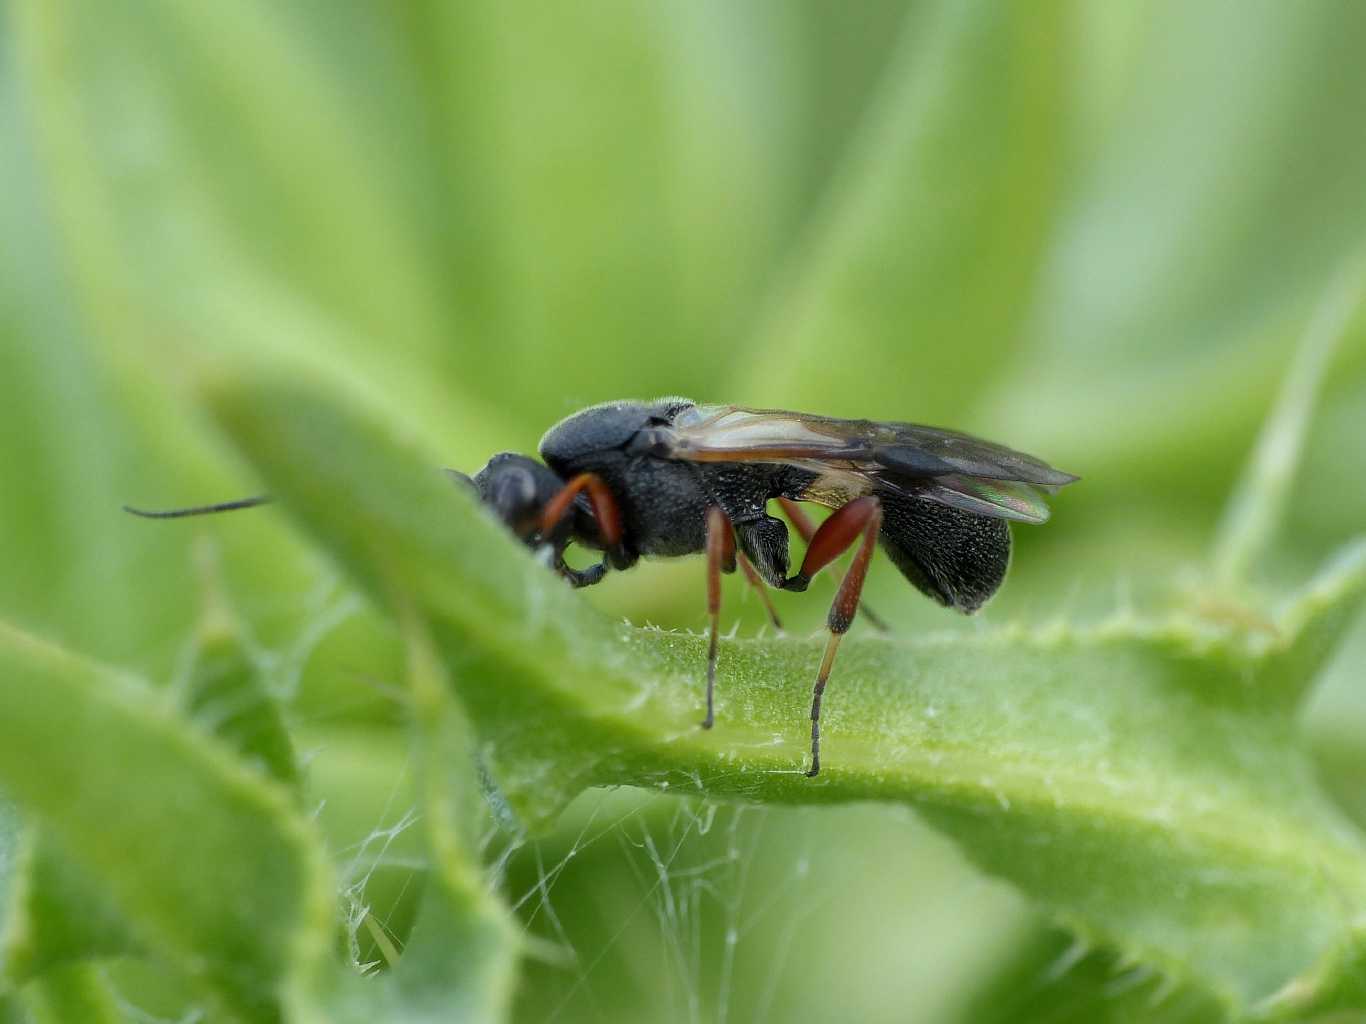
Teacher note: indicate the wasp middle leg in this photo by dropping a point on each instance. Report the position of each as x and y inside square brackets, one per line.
[720, 558]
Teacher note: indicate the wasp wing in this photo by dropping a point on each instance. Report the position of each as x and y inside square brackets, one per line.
[1002, 499]
[945, 466]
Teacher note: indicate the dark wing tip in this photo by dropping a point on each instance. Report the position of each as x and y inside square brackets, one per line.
[1055, 478]
[1023, 469]
[931, 452]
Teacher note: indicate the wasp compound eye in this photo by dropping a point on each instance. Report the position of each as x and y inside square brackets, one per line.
[512, 493]
[517, 488]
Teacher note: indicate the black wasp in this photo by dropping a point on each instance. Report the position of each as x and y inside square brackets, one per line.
[670, 477]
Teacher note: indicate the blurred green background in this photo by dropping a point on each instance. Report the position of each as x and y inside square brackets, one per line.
[1095, 231]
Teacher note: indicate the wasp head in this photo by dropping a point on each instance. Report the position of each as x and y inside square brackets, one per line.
[517, 488]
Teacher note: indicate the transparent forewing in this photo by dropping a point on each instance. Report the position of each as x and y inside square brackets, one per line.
[941, 465]
[720, 433]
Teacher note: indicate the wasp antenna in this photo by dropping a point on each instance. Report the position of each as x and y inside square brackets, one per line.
[199, 510]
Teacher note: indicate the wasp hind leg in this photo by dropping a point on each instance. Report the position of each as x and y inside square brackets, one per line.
[807, 529]
[861, 518]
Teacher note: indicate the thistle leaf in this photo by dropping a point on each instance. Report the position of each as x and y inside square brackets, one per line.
[1143, 778]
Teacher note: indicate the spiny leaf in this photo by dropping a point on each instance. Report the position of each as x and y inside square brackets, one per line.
[1062, 978]
[1143, 778]
[61, 914]
[225, 690]
[460, 912]
[207, 859]
[1337, 984]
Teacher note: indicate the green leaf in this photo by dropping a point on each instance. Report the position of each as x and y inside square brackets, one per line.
[225, 691]
[1213, 201]
[441, 197]
[207, 859]
[72, 994]
[59, 914]
[1060, 978]
[10, 1010]
[460, 912]
[460, 959]
[400, 568]
[945, 197]
[9, 854]
[1339, 983]
[1259, 503]
[1143, 778]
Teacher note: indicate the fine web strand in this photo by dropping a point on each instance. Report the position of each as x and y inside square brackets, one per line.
[693, 874]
